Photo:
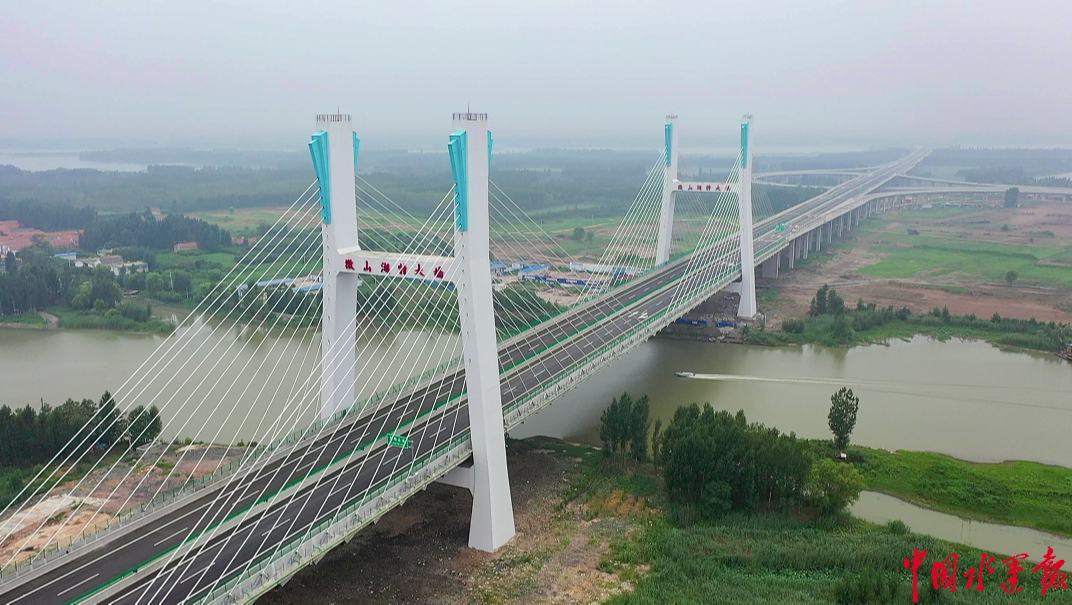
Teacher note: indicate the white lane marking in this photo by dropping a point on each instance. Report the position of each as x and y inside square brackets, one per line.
[276, 526]
[77, 585]
[171, 536]
[195, 574]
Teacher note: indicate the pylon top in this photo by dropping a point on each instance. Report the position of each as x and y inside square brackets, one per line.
[471, 117]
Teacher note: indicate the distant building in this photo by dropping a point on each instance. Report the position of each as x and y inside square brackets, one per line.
[179, 247]
[114, 262]
[16, 237]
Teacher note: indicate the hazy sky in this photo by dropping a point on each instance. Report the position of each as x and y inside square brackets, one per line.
[815, 72]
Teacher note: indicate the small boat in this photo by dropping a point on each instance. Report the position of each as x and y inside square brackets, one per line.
[684, 374]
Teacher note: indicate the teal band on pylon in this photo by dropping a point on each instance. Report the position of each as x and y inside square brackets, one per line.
[318, 148]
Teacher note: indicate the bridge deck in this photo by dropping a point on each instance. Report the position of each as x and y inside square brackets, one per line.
[351, 459]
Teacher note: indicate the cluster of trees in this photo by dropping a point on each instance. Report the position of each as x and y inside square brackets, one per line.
[826, 301]
[46, 217]
[519, 306]
[580, 234]
[177, 191]
[1011, 166]
[830, 322]
[623, 427]
[714, 462]
[33, 280]
[143, 230]
[31, 436]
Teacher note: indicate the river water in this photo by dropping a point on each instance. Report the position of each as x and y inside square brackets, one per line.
[230, 383]
[963, 398]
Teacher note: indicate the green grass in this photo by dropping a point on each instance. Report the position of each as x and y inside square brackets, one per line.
[775, 558]
[970, 245]
[188, 260]
[926, 261]
[949, 289]
[1017, 493]
[24, 319]
[762, 558]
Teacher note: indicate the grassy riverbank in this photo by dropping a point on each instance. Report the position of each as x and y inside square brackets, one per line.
[1017, 493]
[594, 530]
[839, 324]
[763, 558]
[109, 320]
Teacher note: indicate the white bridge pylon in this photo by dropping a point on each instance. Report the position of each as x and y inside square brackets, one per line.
[334, 149]
[743, 188]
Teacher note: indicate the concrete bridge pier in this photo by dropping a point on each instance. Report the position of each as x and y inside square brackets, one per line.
[769, 268]
[818, 238]
[792, 253]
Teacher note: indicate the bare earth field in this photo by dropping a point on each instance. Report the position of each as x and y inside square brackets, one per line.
[65, 512]
[417, 553]
[958, 259]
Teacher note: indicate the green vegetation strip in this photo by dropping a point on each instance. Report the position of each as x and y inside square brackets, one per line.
[1017, 493]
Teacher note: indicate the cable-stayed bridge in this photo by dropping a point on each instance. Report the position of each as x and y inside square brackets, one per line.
[357, 433]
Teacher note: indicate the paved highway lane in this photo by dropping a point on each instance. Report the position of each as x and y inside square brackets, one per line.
[371, 466]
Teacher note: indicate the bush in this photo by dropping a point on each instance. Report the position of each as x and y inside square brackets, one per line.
[898, 527]
[833, 486]
[871, 586]
[793, 325]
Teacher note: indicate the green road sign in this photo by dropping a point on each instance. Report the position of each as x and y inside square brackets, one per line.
[398, 441]
[780, 227]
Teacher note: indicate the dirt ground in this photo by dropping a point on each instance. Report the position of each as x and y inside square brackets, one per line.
[417, 553]
[839, 269]
[89, 503]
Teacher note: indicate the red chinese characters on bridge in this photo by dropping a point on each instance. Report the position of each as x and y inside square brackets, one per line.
[400, 268]
[944, 573]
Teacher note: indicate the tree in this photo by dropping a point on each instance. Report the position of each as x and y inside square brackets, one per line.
[10, 263]
[182, 282]
[112, 424]
[818, 302]
[1012, 197]
[833, 486]
[842, 417]
[623, 427]
[154, 282]
[1011, 276]
[590, 235]
[835, 305]
[655, 435]
[578, 233]
[143, 425]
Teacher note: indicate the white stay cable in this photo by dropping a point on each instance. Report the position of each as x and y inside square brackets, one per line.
[130, 405]
[163, 349]
[398, 369]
